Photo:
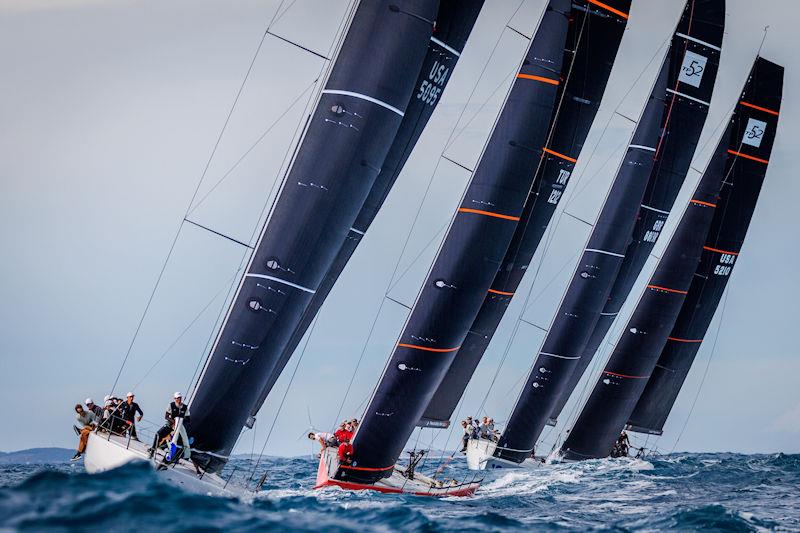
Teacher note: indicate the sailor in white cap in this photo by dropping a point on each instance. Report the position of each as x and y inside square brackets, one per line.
[177, 417]
[128, 411]
[93, 407]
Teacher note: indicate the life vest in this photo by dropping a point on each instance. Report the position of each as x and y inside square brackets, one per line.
[345, 452]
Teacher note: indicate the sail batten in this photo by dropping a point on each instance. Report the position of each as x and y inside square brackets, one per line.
[591, 49]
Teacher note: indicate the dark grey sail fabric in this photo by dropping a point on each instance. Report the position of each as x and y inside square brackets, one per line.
[754, 125]
[694, 58]
[591, 48]
[454, 23]
[636, 354]
[467, 260]
[337, 161]
[591, 283]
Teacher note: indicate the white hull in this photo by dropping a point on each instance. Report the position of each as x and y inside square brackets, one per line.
[480, 456]
[105, 453]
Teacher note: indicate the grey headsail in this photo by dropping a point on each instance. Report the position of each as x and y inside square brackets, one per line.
[337, 161]
[636, 353]
[454, 23]
[467, 260]
[592, 42]
[755, 123]
[694, 58]
[591, 282]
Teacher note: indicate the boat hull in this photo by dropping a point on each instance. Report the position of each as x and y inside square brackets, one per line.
[104, 453]
[395, 484]
[480, 456]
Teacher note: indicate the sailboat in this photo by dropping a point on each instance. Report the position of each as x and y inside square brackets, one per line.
[717, 215]
[359, 120]
[655, 164]
[479, 236]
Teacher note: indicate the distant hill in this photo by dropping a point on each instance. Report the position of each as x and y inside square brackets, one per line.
[36, 456]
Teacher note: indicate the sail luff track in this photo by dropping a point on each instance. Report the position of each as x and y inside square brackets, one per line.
[727, 191]
[454, 23]
[592, 46]
[756, 121]
[694, 59]
[467, 260]
[339, 157]
[592, 280]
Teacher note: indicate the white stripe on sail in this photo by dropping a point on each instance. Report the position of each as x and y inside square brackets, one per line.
[279, 280]
[698, 41]
[689, 97]
[364, 97]
[595, 250]
[444, 45]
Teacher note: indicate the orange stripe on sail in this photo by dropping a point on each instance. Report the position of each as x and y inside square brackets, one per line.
[660, 288]
[487, 213]
[502, 293]
[609, 8]
[764, 109]
[440, 350]
[562, 156]
[750, 157]
[710, 249]
[676, 339]
[700, 202]
[538, 78]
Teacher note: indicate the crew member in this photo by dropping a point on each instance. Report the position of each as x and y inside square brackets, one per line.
[128, 410]
[93, 407]
[324, 439]
[466, 436]
[345, 453]
[177, 417]
[87, 421]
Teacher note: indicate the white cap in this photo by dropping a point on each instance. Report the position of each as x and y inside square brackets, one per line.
[177, 395]
[108, 397]
[129, 395]
[88, 401]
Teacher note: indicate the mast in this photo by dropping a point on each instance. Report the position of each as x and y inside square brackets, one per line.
[348, 136]
[454, 23]
[647, 332]
[591, 282]
[592, 45]
[694, 56]
[467, 260]
[754, 126]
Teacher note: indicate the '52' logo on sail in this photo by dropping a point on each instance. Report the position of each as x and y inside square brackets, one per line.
[430, 89]
[754, 132]
[692, 69]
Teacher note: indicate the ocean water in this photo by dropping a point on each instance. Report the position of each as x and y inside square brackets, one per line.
[715, 492]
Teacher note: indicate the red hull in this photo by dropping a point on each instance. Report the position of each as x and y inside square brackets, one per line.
[323, 480]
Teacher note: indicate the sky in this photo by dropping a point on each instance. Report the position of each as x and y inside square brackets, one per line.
[110, 112]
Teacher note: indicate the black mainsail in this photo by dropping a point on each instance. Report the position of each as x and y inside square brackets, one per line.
[467, 260]
[454, 23]
[344, 146]
[591, 282]
[756, 121]
[591, 47]
[694, 57]
[636, 354]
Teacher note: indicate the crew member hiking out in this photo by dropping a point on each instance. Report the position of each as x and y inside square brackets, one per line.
[177, 418]
[87, 421]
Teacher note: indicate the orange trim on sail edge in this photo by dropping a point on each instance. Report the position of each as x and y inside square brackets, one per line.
[710, 249]
[440, 350]
[502, 293]
[750, 157]
[487, 213]
[676, 339]
[764, 109]
[609, 8]
[562, 156]
[700, 202]
[538, 78]
[660, 288]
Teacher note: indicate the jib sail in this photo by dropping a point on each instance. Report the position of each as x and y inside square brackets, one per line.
[754, 124]
[591, 46]
[345, 143]
[694, 59]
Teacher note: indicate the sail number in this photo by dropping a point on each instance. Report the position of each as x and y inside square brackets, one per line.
[652, 235]
[561, 182]
[725, 265]
[430, 89]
